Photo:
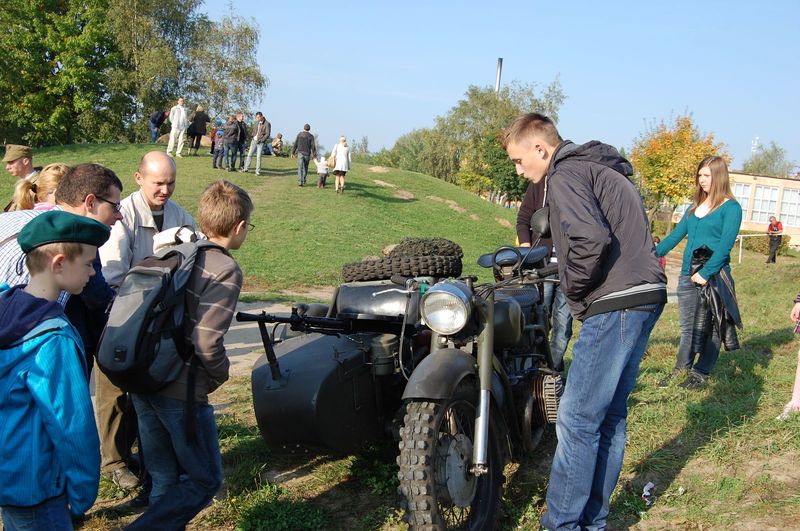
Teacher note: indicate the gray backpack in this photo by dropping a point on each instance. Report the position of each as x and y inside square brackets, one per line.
[143, 348]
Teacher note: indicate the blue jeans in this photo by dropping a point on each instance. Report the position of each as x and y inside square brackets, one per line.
[153, 132]
[302, 167]
[592, 416]
[561, 323]
[700, 362]
[50, 515]
[254, 148]
[185, 476]
[230, 155]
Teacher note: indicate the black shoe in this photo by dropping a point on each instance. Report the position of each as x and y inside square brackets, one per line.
[671, 377]
[124, 478]
[694, 381]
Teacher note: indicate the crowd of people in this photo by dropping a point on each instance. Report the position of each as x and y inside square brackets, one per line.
[229, 141]
[68, 238]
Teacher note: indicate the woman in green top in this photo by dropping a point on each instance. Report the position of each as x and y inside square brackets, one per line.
[713, 220]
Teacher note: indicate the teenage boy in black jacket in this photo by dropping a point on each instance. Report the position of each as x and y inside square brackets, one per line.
[614, 283]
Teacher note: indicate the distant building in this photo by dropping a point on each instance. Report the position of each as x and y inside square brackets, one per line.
[762, 196]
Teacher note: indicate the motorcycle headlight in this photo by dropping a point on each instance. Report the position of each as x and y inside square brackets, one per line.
[446, 307]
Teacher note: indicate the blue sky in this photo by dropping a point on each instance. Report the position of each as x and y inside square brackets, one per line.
[382, 69]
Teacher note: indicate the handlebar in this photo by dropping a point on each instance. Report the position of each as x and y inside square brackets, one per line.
[547, 270]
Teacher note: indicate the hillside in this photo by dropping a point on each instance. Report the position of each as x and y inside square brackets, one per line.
[304, 235]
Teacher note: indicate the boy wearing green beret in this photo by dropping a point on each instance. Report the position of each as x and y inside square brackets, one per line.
[48, 438]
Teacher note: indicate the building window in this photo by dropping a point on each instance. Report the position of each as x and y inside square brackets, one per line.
[765, 204]
[790, 207]
[742, 194]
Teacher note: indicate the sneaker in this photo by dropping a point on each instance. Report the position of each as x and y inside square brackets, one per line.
[258, 173]
[124, 478]
[694, 380]
[179, 156]
[671, 377]
[242, 171]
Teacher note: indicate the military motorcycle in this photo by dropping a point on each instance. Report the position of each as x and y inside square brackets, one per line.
[459, 373]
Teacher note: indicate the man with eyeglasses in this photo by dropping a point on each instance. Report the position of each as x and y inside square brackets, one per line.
[144, 213]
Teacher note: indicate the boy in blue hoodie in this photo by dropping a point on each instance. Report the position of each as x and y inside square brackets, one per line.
[50, 466]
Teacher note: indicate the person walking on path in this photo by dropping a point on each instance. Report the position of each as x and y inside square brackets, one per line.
[775, 230]
[712, 221]
[178, 124]
[304, 150]
[156, 120]
[197, 129]
[341, 154]
[260, 133]
[614, 284]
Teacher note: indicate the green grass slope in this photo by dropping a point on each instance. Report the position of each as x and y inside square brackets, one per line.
[304, 235]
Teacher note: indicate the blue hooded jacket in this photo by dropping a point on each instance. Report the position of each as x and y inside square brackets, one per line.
[48, 439]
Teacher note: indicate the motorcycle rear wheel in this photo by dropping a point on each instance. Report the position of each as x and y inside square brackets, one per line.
[435, 457]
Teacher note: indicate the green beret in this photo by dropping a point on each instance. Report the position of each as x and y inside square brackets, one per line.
[15, 151]
[58, 226]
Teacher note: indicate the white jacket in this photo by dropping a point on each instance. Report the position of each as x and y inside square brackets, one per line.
[342, 157]
[178, 118]
[131, 237]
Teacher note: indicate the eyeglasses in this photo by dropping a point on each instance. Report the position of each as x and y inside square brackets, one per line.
[251, 227]
[117, 206]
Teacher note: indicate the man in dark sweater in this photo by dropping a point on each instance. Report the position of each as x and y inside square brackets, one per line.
[305, 150]
[614, 283]
[156, 119]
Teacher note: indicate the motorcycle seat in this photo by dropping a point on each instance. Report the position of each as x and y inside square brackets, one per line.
[505, 258]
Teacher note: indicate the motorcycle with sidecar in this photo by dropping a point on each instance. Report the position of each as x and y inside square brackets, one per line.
[459, 373]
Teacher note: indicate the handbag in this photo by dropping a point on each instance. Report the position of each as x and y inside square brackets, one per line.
[332, 160]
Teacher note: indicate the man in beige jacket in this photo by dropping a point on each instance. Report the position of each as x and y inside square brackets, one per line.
[145, 213]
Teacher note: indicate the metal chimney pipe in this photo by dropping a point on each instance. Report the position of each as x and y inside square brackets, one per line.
[499, 72]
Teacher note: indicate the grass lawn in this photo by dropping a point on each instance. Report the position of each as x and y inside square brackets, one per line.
[304, 235]
[718, 458]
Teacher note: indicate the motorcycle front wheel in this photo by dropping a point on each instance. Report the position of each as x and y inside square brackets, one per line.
[435, 458]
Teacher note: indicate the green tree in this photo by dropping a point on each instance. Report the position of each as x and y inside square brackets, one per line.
[154, 38]
[769, 161]
[455, 149]
[665, 158]
[54, 69]
[224, 69]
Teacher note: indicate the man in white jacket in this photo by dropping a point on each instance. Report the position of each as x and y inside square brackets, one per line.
[178, 122]
[145, 213]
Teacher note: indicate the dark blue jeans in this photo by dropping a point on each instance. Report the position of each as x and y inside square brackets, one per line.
[302, 168]
[153, 132]
[592, 416]
[700, 362]
[185, 476]
[51, 515]
[230, 156]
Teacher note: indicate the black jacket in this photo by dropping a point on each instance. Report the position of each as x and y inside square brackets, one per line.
[304, 143]
[716, 306]
[606, 256]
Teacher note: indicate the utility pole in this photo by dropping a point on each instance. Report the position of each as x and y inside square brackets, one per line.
[499, 72]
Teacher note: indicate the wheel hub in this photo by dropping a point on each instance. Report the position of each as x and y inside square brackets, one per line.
[453, 479]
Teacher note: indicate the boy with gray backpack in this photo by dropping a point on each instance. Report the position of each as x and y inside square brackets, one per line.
[198, 285]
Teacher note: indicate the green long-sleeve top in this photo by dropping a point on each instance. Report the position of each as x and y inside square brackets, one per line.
[717, 230]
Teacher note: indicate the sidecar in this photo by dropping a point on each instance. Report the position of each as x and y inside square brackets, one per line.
[339, 389]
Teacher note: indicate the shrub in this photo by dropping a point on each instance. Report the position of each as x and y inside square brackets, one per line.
[761, 245]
